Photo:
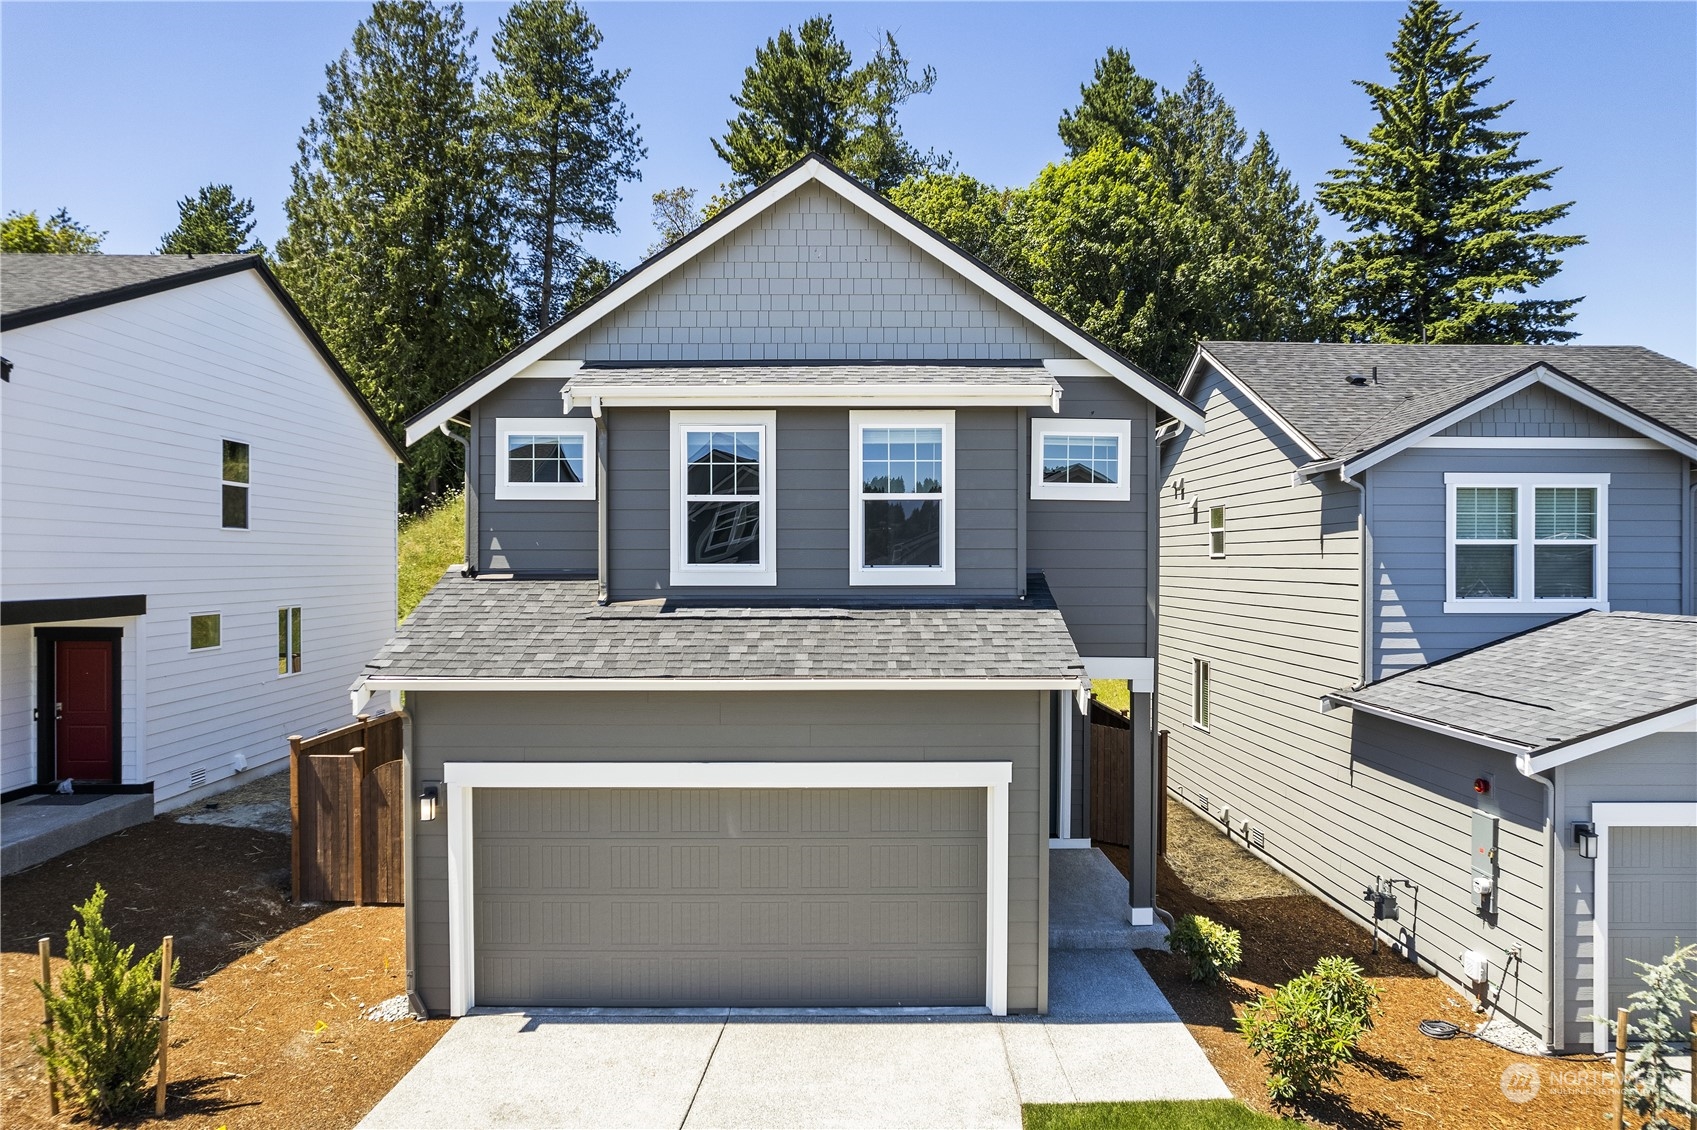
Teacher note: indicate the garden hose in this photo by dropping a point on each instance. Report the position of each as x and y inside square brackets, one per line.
[1444, 1030]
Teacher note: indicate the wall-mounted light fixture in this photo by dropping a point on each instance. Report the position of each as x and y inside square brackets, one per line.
[428, 801]
[1585, 839]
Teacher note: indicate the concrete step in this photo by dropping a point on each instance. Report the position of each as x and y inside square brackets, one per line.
[1089, 901]
[38, 828]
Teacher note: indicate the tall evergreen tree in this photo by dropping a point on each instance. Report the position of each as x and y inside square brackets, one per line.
[1446, 241]
[805, 95]
[1117, 103]
[212, 222]
[25, 232]
[395, 245]
[565, 142]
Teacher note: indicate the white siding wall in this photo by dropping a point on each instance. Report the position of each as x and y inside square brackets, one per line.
[110, 485]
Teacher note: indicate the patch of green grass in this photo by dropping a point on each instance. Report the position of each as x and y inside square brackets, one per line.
[1204, 1114]
[429, 542]
[1112, 693]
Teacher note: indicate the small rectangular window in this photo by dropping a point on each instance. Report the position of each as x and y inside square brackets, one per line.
[545, 458]
[288, 641]
[235, 485]
[1199, 693]
[1216, 531]
[1083, 460]
[206, 631]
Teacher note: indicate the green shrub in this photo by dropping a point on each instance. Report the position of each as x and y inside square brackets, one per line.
[1306, 1028]
[105, 1018]
[1214, 950]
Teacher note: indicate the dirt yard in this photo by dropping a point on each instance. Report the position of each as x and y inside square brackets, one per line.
[1401, 1079]
[266, 1013]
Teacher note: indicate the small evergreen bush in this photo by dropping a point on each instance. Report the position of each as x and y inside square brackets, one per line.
[1213, 950]
[1659, 1012]
[105, 1017]
[1307, 1028]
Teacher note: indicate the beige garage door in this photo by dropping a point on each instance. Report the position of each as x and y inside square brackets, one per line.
[1652, 901]
[740, 897]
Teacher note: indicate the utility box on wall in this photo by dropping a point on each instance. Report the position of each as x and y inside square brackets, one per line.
[1484, 870]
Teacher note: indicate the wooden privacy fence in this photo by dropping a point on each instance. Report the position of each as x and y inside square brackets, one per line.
[347, 808]
[1110, 777]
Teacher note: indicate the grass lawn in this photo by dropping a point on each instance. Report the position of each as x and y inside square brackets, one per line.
[429, 543]
[1206, 1114]
[1112, 693]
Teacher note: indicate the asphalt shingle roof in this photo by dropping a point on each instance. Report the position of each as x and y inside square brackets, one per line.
[1554, 685]
[1305, 383]
[810, 374]
[536, 628]
[32, 282]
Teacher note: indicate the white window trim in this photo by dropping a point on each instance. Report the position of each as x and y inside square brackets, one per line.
[859, 572]
[507, 427]
[1201, 670]
[764, 573]
[223, 482]
[193, 616]
[460, 778]
[1213, 529]
[1082, 492]
[292, 609]
[1525, 521]
[1604, 817]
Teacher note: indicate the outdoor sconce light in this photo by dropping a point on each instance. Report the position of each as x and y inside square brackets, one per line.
[427, 801]
[1585, 839]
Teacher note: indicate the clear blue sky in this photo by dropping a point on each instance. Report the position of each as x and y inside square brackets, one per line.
[116, 110]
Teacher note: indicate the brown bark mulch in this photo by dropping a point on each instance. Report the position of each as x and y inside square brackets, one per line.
[266, 1026]
[1401, 1078]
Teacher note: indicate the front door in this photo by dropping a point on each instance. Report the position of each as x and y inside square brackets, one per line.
[80, 704]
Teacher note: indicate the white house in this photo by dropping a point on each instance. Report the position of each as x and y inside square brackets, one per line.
[197, 525]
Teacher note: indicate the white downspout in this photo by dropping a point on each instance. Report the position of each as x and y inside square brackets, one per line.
[1552, 883]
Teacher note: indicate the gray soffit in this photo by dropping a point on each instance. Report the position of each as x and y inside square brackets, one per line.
[484, 628]
[1552, 686]
[1307, 383]
[38, 287]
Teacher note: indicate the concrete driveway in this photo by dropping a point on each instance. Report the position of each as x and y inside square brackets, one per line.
[1110, 1035]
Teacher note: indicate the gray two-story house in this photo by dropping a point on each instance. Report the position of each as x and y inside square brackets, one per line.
[1428, 646]
[789, 561]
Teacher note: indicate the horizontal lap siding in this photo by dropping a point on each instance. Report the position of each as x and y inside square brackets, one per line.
[1661, 768]
[527, 535]
[1406, 510]
[1340, 799]
[693, 726]
[812, 279]
[812, 493]
[147, 390]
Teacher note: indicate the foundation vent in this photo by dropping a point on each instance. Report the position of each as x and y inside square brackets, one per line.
[197, 778]
[1202, 801]
[1258, 839]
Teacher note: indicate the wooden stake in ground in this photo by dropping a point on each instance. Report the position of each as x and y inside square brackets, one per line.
[1620, 1069]
[1691, 1073]
[164, 1023]
[45, 945]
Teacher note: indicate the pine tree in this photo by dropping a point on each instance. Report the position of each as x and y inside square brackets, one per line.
[24, 232]
[1117, 102]
[565, 143]
[1446, 241]
[395, 246]
[881, 156]
[212, 222]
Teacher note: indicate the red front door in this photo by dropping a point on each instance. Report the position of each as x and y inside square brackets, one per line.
[84, 719]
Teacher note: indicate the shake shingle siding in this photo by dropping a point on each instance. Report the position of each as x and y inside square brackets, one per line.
[1538, 411]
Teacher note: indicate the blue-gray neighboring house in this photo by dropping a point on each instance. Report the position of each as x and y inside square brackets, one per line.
[1428, 646]
[789, 560]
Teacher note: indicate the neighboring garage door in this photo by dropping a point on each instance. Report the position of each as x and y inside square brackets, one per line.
[740, 897]
[1652, 901]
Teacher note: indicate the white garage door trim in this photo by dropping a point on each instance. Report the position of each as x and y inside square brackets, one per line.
[461, 777]
[1605, 817]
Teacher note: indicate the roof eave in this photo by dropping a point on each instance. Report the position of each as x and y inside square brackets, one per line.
[1336, 699]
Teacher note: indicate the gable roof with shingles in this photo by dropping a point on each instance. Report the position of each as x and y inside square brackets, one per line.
[1306, 384]
[1552, 686]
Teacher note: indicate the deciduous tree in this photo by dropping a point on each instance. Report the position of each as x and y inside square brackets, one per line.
[59, 235]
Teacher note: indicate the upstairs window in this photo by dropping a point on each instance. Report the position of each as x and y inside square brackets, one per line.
[288, 641]
[901, 516]
[1083, 460]
[235, 484]
[722, 528]
[1216, 531]
[545, 458]
[1527, 543]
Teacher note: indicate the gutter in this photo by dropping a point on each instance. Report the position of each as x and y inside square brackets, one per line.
[1330, 702]
[602, 488]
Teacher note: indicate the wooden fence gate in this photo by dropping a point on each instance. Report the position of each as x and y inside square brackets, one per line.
[1110, 776]
[346, 806]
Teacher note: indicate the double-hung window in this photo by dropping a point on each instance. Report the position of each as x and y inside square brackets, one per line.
[235, 484]
[901, 504]
[1527, 543]
[1083, 460]
[1216, 531]
[722, 513]
[545, 458]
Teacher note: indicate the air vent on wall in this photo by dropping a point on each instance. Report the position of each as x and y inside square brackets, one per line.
[1202, 801]
[197, 778]
[1257, 839]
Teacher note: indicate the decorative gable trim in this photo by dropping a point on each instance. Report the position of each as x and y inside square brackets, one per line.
[810, 170]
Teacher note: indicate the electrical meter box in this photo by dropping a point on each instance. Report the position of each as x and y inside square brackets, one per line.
[1484, 869]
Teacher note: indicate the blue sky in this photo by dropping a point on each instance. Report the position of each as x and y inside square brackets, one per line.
[116, 110]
